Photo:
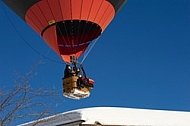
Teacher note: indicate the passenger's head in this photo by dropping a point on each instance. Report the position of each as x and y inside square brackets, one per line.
[78, 69]
[68, 66]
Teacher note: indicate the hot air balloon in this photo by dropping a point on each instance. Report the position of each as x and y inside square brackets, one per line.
[68, 27]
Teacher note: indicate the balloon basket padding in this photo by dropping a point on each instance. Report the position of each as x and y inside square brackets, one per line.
[72, 90]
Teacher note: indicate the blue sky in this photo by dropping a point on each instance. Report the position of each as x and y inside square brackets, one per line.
[142, 60]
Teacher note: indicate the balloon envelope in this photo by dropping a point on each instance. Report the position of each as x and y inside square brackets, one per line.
[67, 26]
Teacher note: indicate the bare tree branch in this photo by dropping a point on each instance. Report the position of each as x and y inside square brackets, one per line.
[23, 101]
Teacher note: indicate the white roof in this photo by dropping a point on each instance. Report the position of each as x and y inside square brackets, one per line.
[118, 116]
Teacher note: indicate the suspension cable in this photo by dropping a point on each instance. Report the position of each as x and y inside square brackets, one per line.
[65, 39]
[25, 41]
[90, 48]
[85, 55]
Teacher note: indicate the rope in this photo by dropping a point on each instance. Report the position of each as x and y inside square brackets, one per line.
[58, 27]
[83, 30]
[25, 41]
[90, 48]
[71, 26]
[66, 38]
[79, 20]
[97, 33]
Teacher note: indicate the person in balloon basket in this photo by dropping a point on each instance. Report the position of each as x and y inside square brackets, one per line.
[68, 71]
[84, 81]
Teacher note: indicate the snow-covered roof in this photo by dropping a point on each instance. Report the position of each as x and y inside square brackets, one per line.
[117, 116]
